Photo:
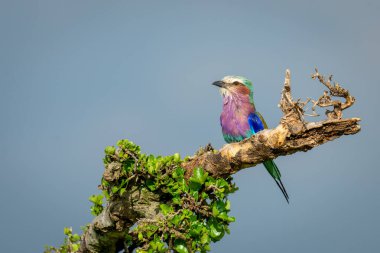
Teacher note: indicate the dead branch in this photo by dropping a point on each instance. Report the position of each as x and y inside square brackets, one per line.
[335, 90]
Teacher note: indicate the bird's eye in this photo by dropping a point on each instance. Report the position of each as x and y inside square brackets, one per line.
[236, 83]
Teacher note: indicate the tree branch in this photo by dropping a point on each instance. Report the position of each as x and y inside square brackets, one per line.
[107, 232]
[293, 134]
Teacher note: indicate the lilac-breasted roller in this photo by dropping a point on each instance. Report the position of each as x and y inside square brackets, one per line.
[240, 120]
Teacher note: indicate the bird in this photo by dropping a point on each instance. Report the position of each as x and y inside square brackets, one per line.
[240, 120]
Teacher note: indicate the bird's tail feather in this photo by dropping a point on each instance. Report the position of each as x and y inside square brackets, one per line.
[275, 173]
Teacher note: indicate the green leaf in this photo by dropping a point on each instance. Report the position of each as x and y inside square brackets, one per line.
[151, 184]
[184, 187]
[228, 205]
[150, 230]
[205, 195]
[176, 157]
[199, 176]
[157, 245]
[151, 169]
[75, 238]
[218, 207]
[176, 220]
[140, 236]
[75, 247]
[122, 190]
[165, 209]
[195, 195]
[194, 186]
[196, 228]
[186, 214]
[180, 246]
[128, 165]
[223, 216]
[176, 200]
[127, 144]
[215, 211]
[227, 229]
[67, 231]
[178, 173]
[206, 248]
[115, 189]
[120, 143]
[205, 238]
[110, 150]
[216, 230]
[231, 219]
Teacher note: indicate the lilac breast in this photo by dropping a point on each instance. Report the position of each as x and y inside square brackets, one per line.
[234, 119]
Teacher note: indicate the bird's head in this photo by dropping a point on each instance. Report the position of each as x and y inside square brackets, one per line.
[235, 86]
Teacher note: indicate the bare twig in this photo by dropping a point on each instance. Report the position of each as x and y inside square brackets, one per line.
[335, 90]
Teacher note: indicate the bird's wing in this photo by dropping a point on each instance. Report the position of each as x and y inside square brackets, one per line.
[262, 120]
[256, 122]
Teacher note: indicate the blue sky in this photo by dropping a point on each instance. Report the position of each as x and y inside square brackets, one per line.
[76, 76]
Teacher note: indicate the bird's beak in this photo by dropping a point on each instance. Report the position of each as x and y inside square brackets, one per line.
[220, 84]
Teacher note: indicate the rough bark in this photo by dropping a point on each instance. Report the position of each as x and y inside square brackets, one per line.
[293, 134]
[270, 144]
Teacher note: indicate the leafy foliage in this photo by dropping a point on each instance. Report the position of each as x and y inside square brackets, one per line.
[194, 211]
[97, 200]
[71, 243]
